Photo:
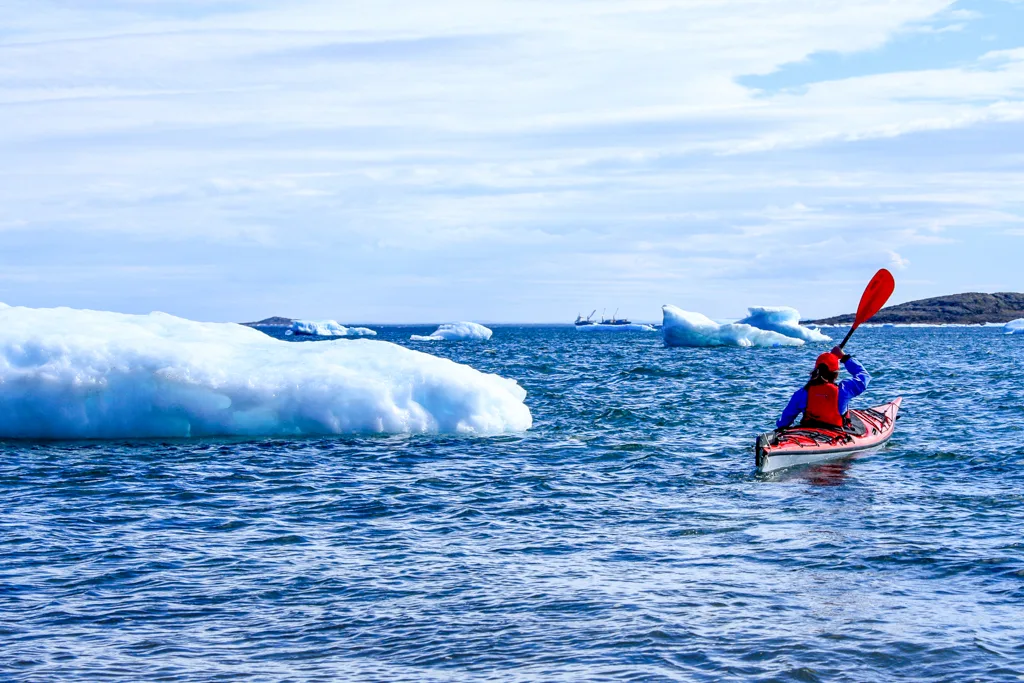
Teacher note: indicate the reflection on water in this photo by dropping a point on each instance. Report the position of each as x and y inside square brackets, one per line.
[831, 473]
[827, 474]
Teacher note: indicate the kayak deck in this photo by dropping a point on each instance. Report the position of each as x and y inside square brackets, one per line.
[869, 428]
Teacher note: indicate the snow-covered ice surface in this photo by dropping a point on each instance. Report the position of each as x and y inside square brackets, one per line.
[781, 319]
[68, 373]
[455, 332]
[684, 328]
[632, 327]
[1015, 326]
[327, 328]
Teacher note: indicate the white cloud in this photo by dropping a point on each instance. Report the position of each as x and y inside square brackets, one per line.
[897, 262]
[356, 142]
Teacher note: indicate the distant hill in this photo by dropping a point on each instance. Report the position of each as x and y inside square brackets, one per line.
[276, 321]
[962, 309]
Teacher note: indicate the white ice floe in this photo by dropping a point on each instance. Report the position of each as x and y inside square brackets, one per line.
[781, 319]
[327, 328]
[684, 328]
[68, 373]
[1014, 326]
[455, 332]
[632, 327]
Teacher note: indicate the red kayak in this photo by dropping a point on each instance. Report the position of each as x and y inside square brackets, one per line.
[867, 429]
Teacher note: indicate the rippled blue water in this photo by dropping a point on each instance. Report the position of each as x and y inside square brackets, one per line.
[626, 537]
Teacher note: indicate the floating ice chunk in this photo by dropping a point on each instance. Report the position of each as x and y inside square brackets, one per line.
[683, 328]
[784, 320]
[1014, 326]
[86, 374]
[632, 327]
[455, 332]
[327, 328]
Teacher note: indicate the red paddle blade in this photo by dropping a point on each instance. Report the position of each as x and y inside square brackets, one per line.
[875, 295]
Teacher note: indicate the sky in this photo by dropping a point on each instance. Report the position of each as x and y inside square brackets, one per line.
[506, 161]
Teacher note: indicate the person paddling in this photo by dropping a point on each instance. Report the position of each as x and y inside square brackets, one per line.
[823, 402]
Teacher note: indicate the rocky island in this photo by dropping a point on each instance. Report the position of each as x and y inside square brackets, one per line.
[275, 321]
[970, 308]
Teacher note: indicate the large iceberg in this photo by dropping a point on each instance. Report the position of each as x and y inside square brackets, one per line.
[455, 332]
[87, 374]
[784, 320]
[327, 328]
[684, 328]
[1014, 326]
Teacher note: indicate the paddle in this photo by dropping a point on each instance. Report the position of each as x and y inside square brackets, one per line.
[875, 295]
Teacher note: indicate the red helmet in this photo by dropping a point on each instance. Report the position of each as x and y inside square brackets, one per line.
[829, 360]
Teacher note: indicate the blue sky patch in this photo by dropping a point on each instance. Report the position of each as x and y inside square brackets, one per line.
[957, 37]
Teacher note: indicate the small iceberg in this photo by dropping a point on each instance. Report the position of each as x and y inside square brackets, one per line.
[1014, 326]
[74, 374]
[456, 332]
[685, 328]
[327, 328]
[781, 319]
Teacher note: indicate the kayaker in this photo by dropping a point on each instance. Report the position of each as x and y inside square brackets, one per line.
[822, 401]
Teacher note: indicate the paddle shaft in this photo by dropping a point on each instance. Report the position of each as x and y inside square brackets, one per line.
[847, 337]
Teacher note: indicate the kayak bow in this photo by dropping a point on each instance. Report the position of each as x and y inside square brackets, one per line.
[869, 428]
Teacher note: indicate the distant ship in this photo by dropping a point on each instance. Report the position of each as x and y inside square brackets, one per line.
[589, 320]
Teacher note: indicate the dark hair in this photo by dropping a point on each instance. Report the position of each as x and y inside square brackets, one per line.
[822, 375]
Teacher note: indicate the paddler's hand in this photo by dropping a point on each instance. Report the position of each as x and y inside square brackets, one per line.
[840, 354]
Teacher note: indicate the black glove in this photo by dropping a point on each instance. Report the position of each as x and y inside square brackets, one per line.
[839, 353]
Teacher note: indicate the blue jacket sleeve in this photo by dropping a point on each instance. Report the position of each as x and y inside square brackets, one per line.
[857, 385]
[796, 405]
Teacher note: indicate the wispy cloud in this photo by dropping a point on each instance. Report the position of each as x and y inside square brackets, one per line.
[538, 154]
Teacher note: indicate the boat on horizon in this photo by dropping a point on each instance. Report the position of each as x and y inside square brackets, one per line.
[589, 320]
[613, 324]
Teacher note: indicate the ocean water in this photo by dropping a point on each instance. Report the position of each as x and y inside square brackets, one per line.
[627, 536]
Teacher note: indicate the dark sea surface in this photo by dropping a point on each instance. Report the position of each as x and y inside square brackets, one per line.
[627, 536]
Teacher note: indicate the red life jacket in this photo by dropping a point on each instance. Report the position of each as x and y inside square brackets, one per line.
[823, 405]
